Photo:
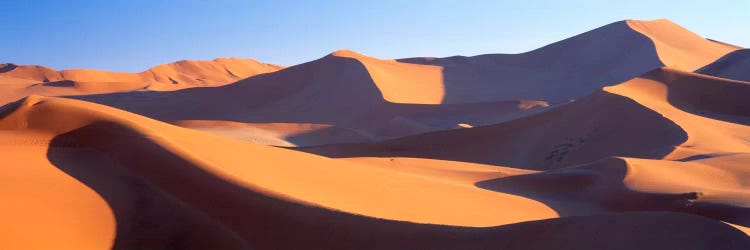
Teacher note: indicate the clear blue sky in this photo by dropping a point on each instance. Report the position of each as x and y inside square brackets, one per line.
[137, 34]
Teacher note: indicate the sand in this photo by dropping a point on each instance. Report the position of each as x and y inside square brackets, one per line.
[634, 135]
[732, 66]
[17, 81]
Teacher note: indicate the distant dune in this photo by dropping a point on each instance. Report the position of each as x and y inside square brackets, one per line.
[634, 135]
[202, 73]
[22, 80]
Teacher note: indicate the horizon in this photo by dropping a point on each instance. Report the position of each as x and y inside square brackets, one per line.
[136, 39]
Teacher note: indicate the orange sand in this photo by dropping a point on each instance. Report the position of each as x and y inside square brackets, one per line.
[635, 135]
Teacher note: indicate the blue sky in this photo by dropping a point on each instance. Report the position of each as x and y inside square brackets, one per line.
[135, 35]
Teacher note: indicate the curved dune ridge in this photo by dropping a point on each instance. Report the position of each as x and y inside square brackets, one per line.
[583, 131]
[204, 73]
[17, 81]
[677, 47]
[338, 90]
[677, 105]
[575, 67]
[634, 135]
[425, 81]
[735, 66]
[173, 175]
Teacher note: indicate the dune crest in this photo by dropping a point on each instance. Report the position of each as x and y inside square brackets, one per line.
[695, 102]
[735, 66]
[199, 73]
[402, 82]
[678, 47]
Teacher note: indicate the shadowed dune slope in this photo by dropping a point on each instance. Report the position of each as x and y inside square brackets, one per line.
[336, 90]
[735, 66]
[713, 111]
[577, 66]
[161, 184]
[586, 130]
[711, 187]
[665, 113]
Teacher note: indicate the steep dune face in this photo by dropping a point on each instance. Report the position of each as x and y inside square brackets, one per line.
[735, 66]
[43, 208]
[711, 110]
[678, 47]
[425, 83]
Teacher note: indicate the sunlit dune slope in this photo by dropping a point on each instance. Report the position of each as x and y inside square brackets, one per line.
[605, 140]
[714, 112]
[195, 190]
[200, 73]
[383, 99]
[662, 114]
[18, 81]
[678, 47]
[138, 146]
[586, 130]
[339, 90]
[402, 82]
[708, 187]
[575, 67]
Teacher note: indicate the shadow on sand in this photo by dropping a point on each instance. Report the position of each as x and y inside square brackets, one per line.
[266, 222]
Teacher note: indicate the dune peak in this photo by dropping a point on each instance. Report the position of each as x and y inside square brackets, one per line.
[346, 53]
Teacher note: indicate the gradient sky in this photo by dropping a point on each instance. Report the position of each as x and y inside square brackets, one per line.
[137, 34]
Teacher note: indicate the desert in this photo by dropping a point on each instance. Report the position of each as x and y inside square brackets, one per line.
[632, 135]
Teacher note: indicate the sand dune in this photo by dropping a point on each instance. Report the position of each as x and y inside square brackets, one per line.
[677, 47]
[337, 90]
[201, 73]
[69, 130]
[18, 81]
[635, 135]
[696, 134]
[384, 99]
[574, 67]
[583, 131]
[678, 105]
[165, 163]
[735, 66]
